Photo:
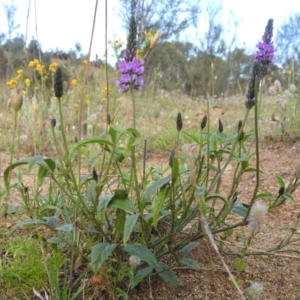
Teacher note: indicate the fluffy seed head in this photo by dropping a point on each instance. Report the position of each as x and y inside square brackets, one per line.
[257, 216]
[292, 88]
[255, 290]
[134, 261]
[277, 86]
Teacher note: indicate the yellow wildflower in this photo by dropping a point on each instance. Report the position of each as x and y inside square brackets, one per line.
[40, 68]
[24, 92]
[27, 82]
[53, 67]
[85, 62]
[118, 43]
[33, 63]
[74, 83]
[36, 88]
[75, 105]
[107, 91]
[20, 72]
[139, 54]
[11, 84]
[103, 100]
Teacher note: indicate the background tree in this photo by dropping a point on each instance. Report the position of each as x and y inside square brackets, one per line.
[171, 17]
[288, 50]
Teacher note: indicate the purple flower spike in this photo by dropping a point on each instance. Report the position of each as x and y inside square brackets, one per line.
[132, 71]
[265, 54]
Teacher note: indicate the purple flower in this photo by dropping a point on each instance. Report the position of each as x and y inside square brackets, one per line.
[132, 71]
[265, 53]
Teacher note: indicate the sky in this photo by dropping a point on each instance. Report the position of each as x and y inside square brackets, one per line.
[63, 23]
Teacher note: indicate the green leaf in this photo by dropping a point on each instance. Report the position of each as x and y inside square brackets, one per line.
[190, 263]
[288, 196]
[167, 274]
[57, 241]
[155, 186]
[128, 227]
[66, 227]
[240, 208]
[50, 163]
[118, 155]
[102, 206]
[188, 248]
[201, 191]
[140, 275]
[264, 195]
[42, 173]
[29, 222]
[100, 253]
[280, 181]
[191, 136]
[240, 264]
[91, 140]
[7, 171]
[125, 205]
[158, 204]
[143, 253]
[115, 133]
[33, 161]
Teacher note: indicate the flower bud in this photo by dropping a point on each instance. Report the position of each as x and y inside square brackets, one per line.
[221, 128]
[179, 122]
[203, 122]
[58, 83]
[16, 99]
[53, 122]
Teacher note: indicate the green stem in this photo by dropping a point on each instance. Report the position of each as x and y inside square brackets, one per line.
[133, 108]
[256, 152]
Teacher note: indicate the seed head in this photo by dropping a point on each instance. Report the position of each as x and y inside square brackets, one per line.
[58, 83]
[277, 86]
[257, 216]
[221, 128]
[53, 122]
[179, 122]
[203, 122]
[292, 88]
[255, 290]
[134, 261]
[281, 191]
[95, 175]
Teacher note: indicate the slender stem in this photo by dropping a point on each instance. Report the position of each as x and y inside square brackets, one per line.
[106, 74]
[133, 108]
[257, 153]
[83, 92]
